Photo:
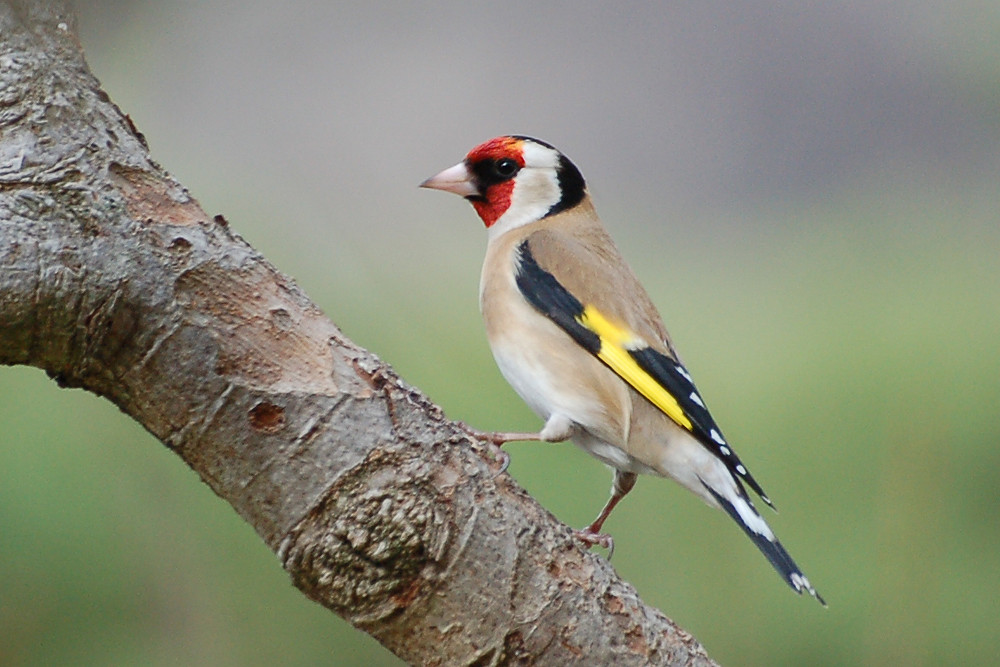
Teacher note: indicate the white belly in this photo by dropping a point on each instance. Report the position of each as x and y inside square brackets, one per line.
[553, 385]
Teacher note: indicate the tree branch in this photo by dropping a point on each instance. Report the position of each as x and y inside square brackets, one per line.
[113, 279]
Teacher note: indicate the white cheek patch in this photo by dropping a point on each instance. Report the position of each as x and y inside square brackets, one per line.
[536, 190]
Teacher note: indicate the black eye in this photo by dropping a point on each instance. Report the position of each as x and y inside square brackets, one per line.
[506, 167]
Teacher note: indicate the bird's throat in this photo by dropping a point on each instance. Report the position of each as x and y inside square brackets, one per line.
[495, 203]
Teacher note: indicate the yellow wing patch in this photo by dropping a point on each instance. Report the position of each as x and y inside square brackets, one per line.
[615, 341]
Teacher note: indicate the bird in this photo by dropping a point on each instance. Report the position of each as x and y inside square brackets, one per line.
[576, 335]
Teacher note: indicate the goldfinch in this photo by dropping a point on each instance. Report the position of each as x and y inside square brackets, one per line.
[579, 340]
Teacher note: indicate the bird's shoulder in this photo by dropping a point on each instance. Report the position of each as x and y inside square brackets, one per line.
[583, 258]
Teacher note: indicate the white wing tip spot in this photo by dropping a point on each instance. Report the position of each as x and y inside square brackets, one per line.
[725, 451]
[683, 371]
[718, 438]
[741, 470]
[697, 399]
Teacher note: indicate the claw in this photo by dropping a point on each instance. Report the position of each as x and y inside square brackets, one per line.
[504, 459]
[496, 439]
[592, 538]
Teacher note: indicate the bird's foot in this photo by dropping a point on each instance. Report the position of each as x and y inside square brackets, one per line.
[591, 538]
[498, 439]
[504, 459]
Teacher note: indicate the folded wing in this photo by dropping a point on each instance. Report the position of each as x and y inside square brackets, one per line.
[655, 374]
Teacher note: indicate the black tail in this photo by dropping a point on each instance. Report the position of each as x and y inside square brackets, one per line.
[771, 548]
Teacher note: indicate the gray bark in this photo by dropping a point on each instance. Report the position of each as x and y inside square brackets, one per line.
[113, 279]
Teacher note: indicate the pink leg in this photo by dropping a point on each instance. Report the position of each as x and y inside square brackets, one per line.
[591, 535]
[500, 439]
[556, 429]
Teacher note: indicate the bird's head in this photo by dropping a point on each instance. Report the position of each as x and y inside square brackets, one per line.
[513, 181]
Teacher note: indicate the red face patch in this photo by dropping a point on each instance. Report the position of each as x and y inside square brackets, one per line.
[497, 196]
[497, 148]
[495, 204]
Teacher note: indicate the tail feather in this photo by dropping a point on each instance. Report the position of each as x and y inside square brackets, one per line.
[768, 545]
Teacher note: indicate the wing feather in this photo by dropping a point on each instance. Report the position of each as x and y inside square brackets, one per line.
[661, 379]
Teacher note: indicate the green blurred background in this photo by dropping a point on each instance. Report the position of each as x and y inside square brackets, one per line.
[808, 190]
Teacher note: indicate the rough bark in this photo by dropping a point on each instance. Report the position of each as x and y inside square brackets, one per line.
[113, 279]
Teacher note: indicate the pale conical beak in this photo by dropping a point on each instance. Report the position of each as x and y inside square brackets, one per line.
[455, 179]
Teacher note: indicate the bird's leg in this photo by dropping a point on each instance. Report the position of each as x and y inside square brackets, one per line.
[556, 429]
[591, 535]
[499, 439]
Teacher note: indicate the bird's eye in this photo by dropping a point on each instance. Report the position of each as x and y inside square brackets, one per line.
[506, 167]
